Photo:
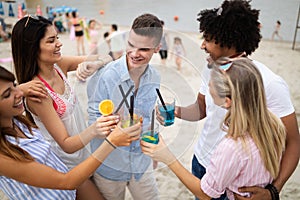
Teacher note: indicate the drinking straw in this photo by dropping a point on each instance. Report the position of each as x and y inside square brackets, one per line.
[161, 99]
[123, 95]
[124, 99]
[131, 109]
[152, 123]
[162, 102]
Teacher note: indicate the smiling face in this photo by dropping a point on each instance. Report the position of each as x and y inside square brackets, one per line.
[140, 50]
[11, 102]
[50, 47]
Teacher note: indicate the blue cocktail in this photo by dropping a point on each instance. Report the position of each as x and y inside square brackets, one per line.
[167, 114]
[151, 137]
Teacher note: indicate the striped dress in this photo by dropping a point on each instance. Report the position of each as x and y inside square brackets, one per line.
[40, 149]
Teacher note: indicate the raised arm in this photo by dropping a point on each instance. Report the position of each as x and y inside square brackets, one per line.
[34, 90]
[85, 65]
[54, 125]
[161, 153]
[193, 112]
[39, 175]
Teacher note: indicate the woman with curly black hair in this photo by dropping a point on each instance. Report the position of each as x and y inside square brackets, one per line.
[232, 30]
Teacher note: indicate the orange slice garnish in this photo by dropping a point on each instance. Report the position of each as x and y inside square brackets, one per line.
[106, 107]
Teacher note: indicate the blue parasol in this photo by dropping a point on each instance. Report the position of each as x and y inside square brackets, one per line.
[62, 9]
[23, 6]
[1, 9]
[11, 11]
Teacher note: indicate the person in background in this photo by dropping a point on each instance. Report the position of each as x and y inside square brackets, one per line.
[251, 150]
[117, 43]
[36, 56]
[163, 52]
[276, 31]
[32, 170]
[66, 22]
[94, 35]
[232, 30]
[178, 51]
[3, 35]
[129, 167]
[106, 38]
[58, 23]
[78, 28]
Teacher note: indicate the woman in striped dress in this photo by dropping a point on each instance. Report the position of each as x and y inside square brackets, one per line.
[29, 169]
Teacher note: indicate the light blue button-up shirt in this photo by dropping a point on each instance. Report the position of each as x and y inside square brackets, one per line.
[124, 162]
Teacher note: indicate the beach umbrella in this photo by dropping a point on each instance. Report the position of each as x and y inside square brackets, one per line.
[1, 9]
[56, 10]
[11, 11]
[23, 6]
[62, 9]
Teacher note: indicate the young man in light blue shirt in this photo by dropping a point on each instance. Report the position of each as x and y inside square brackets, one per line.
[128, 166]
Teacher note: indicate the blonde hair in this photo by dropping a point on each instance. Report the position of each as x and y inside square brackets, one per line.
[248, 114]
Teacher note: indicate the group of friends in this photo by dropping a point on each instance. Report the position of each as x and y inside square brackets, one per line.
[247, 149]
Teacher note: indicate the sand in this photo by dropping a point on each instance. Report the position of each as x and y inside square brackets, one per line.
[181, 137]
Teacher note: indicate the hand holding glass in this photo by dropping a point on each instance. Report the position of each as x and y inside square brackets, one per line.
[167, 111]
[126, 119]
[151, 136]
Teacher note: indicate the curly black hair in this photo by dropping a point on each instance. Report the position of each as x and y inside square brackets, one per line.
[234, 24]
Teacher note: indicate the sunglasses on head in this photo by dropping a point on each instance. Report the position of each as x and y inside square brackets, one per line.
[35, 17]
[228, 63]
[226, 67]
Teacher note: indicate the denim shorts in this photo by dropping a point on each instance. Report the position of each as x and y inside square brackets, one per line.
[198, 170]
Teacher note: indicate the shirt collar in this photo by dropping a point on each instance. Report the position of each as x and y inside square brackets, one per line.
[124, 70]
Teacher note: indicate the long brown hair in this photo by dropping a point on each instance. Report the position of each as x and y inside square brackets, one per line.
[7, 148]
[248, 114]
[26, 36]
[25, 43]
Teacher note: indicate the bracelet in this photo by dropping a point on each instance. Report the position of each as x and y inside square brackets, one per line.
[273, 190]
[111, 144]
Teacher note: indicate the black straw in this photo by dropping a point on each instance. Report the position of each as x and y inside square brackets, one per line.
[152, 122]
[124, 98]
[161, 99]
[131, 109]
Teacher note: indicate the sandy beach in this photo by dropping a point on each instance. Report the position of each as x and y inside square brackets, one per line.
[181, 137]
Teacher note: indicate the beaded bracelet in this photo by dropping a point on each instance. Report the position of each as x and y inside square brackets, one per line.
[273, 190]
[109, 142]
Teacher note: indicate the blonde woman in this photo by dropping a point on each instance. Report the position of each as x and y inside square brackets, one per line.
[250, 153]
